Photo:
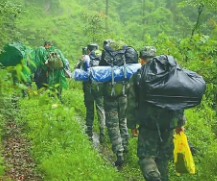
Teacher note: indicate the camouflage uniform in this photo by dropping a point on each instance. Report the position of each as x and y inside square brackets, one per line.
[115, 107]
[155, 140]
[91, 97]
[116, 122]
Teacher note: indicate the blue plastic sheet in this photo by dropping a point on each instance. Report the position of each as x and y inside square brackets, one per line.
[80, 75]
[104, 73]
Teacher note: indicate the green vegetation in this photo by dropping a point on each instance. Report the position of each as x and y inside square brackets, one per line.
[185, 29]
[59, 145]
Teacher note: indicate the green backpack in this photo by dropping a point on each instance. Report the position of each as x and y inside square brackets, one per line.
[54, 60]
[12, 54]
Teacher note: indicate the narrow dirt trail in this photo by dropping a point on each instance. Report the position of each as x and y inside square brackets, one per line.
[16, 154]
[110, 157]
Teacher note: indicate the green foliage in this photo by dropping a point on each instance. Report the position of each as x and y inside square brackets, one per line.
[199, 132]
[8, 97]
[1, 160]
[201, 53]
[211, 4]
[94, 26]
[8, 13]
[131, 168]
[74, 98]
[59, 144]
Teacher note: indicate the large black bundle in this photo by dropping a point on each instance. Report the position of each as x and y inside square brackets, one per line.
[165, 84]
[131, 55]
[119, 57]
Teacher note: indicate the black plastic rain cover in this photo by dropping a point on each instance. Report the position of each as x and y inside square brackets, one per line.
[165, 84]
[127, 54]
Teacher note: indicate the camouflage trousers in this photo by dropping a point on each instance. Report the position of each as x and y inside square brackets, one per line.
[116, 123]
[89, 104]
[154, 154]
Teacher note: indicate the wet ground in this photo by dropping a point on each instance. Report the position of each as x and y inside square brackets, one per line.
[103, 149]
[16, 152]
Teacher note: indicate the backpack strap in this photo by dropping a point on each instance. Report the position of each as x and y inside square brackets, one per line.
[159, 132]
[113, 79]
[113, 55]
[125, 76]
[138, 77]
[90, 88]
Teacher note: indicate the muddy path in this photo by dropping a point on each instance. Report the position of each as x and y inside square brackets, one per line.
[19, 166]
[103, 149]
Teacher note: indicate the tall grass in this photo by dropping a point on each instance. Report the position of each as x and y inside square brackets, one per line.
[59, 145]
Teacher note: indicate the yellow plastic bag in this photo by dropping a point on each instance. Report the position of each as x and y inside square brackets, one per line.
[183, 158]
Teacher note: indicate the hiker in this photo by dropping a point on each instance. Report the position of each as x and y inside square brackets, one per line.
[80, 64]
[41, 75]
[92, 95]
[115, 108]
[67, 64]
[56, 64]
[67, 69]
[156, 126]
[14, 54]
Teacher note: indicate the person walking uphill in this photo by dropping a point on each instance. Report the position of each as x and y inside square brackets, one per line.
[40, 75]
[115, 108]
[92, 95]
[56, 64]
[156, 126]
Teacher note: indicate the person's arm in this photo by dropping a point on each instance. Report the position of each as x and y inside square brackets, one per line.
[132, 106]
[78, 65]
[181, 122]
[86, 62]
[67, 64]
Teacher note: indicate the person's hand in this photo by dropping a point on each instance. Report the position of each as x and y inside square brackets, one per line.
[179, 129]
[46, 73]
[135, 132]
[82, 58]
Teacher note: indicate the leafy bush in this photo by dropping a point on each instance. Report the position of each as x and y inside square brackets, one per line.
[1, 160]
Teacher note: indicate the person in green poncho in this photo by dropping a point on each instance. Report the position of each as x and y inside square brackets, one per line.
[14, 55]
[40, 76]
[55, 66]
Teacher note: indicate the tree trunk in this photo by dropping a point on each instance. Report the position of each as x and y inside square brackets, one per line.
[200, 10]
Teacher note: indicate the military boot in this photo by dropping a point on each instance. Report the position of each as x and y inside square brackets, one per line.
[89, 132]
[120, 160]
[102, 136]
[153, 176]
[125, 149]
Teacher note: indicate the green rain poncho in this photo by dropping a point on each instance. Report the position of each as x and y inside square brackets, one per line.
[12, 54]
[57, 76]
[15, 55]
[40, 57]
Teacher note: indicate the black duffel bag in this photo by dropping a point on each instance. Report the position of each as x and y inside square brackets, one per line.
[165, 84]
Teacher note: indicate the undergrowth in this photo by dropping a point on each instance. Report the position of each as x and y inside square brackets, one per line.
[59, 145]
